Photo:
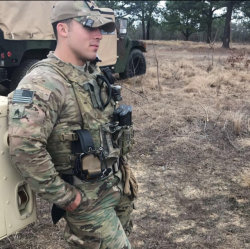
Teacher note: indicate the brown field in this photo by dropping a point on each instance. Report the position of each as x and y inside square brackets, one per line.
[191, 153]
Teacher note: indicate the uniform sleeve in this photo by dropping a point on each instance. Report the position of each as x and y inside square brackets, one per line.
[32, 114]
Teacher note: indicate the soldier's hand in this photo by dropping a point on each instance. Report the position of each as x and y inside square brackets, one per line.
[73, 206]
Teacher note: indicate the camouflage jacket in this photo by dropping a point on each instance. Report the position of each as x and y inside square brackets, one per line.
[31, 126]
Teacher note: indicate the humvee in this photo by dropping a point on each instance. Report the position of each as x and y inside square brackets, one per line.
[26, 36]
[17, 202]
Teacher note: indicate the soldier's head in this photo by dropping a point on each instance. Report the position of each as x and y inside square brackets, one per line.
[77, 28]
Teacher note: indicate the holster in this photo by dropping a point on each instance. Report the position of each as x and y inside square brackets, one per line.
[89, 162]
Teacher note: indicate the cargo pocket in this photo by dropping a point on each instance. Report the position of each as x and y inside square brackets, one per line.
[81, 239]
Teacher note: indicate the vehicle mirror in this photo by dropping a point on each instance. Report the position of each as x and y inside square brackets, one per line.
[123, 26]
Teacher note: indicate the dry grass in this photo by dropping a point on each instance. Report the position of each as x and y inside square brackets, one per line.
[197, 45]
[191, 155]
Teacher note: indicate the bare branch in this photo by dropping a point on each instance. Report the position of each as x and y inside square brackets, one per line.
[159, 87]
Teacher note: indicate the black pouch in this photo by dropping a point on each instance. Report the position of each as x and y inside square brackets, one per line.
[123, 115]
[89, 163]
[84, 144]
[116, 113]
[124, 137]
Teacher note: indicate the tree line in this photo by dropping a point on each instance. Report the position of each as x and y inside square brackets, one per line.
[207, 21]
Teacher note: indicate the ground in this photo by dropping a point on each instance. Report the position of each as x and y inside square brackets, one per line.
[191, 154]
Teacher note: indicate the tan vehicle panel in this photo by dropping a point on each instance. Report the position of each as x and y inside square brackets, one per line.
[107, 51]
[30, 20]
[26, 20]
[17, 201]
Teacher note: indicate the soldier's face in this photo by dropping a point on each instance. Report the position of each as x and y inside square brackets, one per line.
[83, 41]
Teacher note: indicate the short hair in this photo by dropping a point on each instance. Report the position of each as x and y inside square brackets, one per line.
[54, 25]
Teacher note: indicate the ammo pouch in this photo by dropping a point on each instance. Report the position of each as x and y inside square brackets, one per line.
[116, 140]
[124, 138]
[89, 162]
[109, 145]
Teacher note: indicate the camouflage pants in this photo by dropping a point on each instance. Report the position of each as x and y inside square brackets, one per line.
[103, 220]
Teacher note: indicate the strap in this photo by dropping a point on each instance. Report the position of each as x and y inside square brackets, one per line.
[88, 87]
[94, 90]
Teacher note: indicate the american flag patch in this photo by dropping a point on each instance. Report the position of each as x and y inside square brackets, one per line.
[23, 96]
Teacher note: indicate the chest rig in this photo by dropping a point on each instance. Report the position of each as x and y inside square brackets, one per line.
[97, 108]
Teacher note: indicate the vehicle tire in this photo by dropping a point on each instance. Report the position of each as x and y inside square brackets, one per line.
[20, 72]
[136, 65]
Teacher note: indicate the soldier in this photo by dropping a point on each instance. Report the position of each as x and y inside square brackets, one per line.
[60, 101]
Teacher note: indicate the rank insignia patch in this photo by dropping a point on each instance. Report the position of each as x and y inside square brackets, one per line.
[18, 112]
[23, 96]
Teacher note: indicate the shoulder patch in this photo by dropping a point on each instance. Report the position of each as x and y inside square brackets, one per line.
[23, 96]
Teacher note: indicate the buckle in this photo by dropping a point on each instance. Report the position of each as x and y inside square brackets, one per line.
[115, 167]
[68, 136]
[71, 158]
[106, 172]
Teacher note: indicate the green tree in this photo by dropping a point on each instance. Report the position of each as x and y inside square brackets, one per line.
[218, 29]
[137, 11]
[208, 9]
[232, 6]
[183, 16]
[145, 12]
[245, 10]
[117, 6]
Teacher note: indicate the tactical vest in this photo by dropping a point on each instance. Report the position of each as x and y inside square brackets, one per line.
[86, 90]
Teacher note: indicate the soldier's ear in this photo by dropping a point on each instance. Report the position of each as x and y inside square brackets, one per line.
[62, 29]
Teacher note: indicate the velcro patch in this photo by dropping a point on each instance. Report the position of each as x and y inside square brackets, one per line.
[18, 112]
[89, 23]
[23, 96]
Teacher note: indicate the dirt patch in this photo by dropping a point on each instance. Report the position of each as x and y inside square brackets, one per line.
[191, 153]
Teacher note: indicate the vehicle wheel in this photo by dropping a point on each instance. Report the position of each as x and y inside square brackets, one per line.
[20, 72]
[136, 65]
[4, 88]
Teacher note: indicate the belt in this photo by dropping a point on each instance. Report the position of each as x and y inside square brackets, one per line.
[64, 159]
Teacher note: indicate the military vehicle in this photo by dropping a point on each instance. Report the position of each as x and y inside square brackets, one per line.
[26, 38]
[17, 202]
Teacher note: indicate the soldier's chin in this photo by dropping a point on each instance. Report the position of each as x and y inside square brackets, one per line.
[92, 58]
[89, 58]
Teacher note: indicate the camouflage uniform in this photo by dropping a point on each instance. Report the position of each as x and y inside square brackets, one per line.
[38, 153]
